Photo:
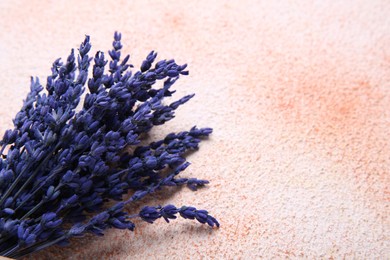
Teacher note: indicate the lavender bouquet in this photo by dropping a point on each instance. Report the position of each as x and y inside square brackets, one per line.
[60, 169]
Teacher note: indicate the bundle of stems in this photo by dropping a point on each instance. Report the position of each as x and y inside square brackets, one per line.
[61, 168]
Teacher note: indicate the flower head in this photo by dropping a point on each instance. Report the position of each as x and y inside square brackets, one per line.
[62, 166]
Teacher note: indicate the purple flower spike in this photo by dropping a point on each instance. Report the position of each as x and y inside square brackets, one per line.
[62, 168]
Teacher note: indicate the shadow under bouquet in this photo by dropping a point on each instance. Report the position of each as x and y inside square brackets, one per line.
[61, 169]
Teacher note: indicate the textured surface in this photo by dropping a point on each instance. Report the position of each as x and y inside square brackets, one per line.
[298, 95]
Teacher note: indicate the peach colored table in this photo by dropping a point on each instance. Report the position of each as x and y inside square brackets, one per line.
[298, 95]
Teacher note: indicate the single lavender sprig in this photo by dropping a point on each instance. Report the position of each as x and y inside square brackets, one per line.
[61, 166]
[151, 214]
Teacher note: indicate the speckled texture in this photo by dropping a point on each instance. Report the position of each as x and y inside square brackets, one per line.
[298, 95]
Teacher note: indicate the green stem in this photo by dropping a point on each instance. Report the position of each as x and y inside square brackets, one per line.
[17, 180]
[32, 176]
[33, 210]
[2, 149]
[9, 251]
[38, 246]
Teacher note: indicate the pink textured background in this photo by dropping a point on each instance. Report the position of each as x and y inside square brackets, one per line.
[298, 95]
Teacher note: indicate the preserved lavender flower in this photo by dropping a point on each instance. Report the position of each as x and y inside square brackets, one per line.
[59, 167]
